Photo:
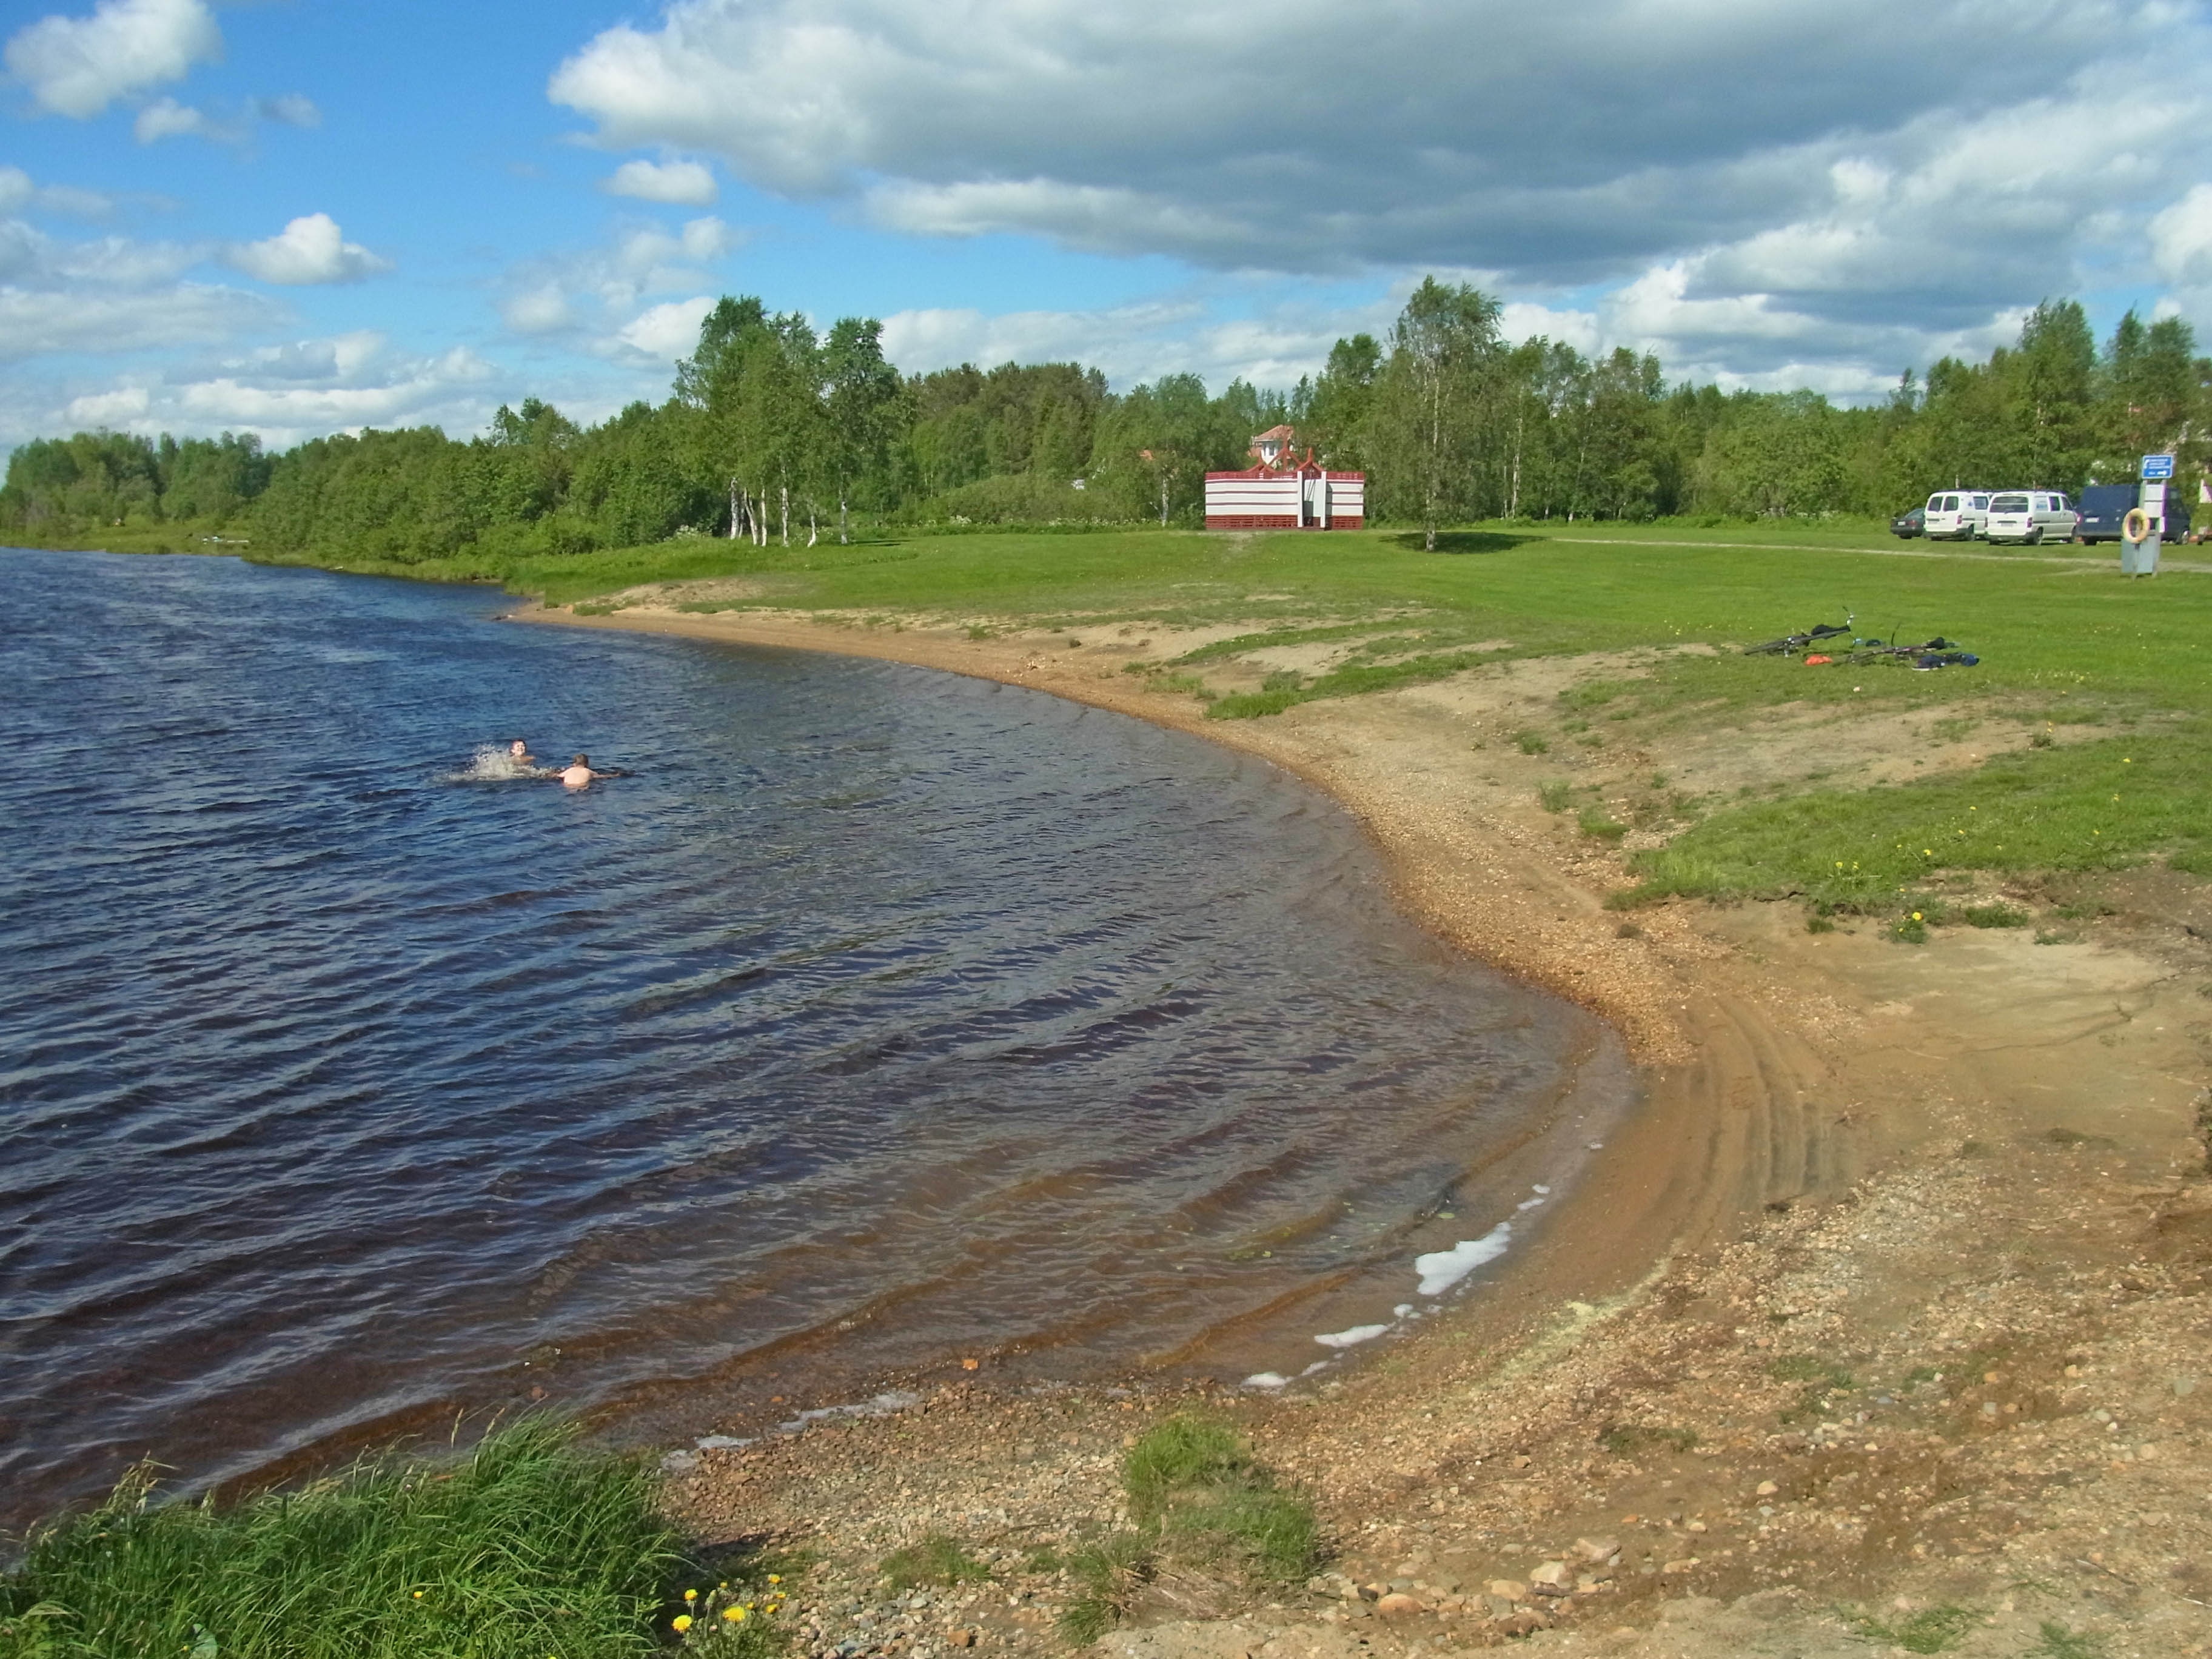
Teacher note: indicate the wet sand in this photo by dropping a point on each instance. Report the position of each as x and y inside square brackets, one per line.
[1994, 1100]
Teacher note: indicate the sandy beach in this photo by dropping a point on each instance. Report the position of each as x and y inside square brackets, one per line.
[1887, 1300]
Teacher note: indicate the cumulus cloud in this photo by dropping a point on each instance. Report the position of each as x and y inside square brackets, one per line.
[595, 293]
[165, 118]
[299, 389]
[77, 66]
[104, 294]
[19, 194]
[2181, 238]
[34, 322]
[1482, 132]
[1827, 179]
[1134, 342]
[666, 332]
[685, 183]
[309, 249]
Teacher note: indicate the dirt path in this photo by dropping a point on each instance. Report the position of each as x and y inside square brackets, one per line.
[1888, 1305]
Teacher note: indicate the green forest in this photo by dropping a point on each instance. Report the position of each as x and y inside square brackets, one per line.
[776, 431]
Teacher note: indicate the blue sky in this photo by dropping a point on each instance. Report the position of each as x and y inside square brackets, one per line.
[301, 218]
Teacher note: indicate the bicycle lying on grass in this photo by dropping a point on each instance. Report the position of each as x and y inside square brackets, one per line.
[1935, 652]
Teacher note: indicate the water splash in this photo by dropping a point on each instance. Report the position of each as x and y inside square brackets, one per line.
[497, 763]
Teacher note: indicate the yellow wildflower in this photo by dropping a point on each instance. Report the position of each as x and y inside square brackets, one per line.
[776, 1578]
[1916, 915]
[735, 1615]
[691, 1596]
[681, 1622]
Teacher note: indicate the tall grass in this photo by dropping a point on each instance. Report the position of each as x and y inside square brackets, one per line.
[526, 1548]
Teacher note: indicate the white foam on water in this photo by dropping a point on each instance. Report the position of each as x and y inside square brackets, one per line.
[1442, 1269]
[882, 1405]
[1541, 1192]
[1403, 1308]
[1347, 1339]
[1266, 1380]
[1318, 1365]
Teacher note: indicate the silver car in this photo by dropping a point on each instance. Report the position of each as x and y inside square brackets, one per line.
[2029, 516]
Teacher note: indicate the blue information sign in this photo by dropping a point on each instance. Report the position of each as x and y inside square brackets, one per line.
[2157, 466]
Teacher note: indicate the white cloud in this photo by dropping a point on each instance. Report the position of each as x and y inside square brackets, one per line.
[309, 249]
[2181, 238]
[1824, 182]
[109, 409]
[597, 293]
[78, 66]
[165, 118]
[291, 109]
[666, 332]
[1135, 342]
[34, 323]
[541, 310]
[106, 294]
[397, 394]
[687, 183]
[299, 389]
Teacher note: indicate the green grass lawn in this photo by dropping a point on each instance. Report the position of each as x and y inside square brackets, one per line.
[2067, 642]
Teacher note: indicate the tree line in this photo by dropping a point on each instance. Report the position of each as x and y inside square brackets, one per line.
[774, 431]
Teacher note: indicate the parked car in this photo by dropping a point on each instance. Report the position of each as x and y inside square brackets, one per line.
[2029, 516]
[2102, 508]
[1955, 514]
[1909, 524]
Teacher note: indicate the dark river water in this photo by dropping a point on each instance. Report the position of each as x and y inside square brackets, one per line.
[881, 1019]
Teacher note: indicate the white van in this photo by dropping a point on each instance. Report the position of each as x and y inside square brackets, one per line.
[2028, 516]
[1957, 515]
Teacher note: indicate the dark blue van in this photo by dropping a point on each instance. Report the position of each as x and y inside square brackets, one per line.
[2103, 507]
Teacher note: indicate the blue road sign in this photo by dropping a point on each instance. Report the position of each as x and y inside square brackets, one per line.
[2157, 466]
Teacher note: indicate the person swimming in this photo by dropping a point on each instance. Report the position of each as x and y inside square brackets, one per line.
[578, 773]
[519, 753]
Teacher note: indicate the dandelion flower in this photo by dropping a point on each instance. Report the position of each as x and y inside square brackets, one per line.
[735, 1615]
[418, 1596]
[1916, 915]
[680, 1623]
[776, 1578]
[691, 1596]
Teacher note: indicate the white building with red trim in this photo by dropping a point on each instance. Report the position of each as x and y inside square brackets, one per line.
[1281, 492]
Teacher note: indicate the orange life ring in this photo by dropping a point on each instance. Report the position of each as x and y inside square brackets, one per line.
[2137, 525]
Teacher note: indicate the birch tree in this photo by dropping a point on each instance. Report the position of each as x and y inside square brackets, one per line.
[1432, 404]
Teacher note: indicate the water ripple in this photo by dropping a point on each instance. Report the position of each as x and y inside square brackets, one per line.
[881, 1016]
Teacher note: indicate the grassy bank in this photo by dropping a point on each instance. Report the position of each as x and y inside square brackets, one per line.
[2113, 679]
[526, 1548]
